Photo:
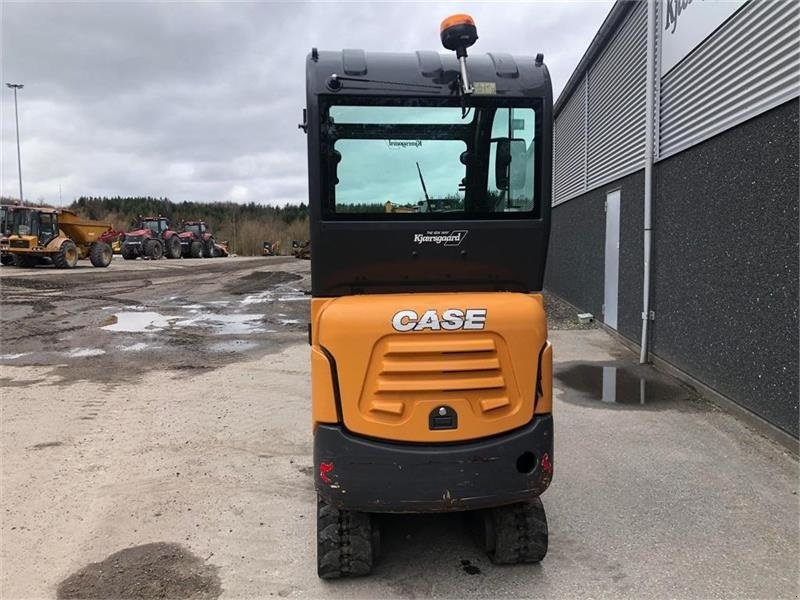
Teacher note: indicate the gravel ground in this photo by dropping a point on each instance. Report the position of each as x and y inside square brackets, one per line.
[561, 315]
[186, 472]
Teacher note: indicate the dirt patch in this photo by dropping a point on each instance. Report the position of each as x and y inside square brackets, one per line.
[158, 570]
[260, 280]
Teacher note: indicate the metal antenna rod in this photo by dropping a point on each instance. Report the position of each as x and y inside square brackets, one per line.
[467, 88]
[15, 87]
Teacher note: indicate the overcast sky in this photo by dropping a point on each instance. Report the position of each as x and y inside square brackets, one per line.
[200, 101]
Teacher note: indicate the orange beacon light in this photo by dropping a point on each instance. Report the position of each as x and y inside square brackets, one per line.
[458, 32]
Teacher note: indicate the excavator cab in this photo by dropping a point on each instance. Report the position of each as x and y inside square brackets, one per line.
[429, 198]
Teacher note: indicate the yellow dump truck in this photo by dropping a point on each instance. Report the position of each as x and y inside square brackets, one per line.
[6, 211]
[38, 233]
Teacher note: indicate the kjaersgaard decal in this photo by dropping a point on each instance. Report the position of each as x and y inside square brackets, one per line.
[404, 143]
[444, 238]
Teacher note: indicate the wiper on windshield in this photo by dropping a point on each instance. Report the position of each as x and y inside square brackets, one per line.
[424, 189]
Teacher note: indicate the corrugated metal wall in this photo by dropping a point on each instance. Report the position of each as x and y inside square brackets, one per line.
[569, 148]
[617, 103]
[750, 65]
[599, 134]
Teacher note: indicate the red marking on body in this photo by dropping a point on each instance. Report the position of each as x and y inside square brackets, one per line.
[324, 469]
[547, 466]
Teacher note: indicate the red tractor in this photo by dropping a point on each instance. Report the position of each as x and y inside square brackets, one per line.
[197, 240]
[151, 237]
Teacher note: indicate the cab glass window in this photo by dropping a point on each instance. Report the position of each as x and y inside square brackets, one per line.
[445, 159]
[511, 160]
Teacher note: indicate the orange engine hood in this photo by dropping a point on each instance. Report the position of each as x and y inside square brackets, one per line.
[400, 357]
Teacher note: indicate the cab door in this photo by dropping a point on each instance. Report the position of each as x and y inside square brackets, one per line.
[48, 228]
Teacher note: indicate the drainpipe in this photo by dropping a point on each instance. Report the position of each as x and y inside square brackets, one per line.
[648, 171]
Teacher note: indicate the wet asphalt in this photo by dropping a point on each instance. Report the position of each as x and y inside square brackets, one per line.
[114, 324]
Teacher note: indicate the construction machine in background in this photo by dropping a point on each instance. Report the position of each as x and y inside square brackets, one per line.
[222, 249]
[272, 248]
[431, 369]
[114, 238]
[151, 237]
[63, 237]
[390, 207]
[5, 230]
[301, 249]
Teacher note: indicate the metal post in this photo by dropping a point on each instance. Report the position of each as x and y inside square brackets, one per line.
[466, 87]
[15, 87]
[648, 174]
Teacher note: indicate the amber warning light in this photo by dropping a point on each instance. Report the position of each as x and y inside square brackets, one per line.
[458, 33]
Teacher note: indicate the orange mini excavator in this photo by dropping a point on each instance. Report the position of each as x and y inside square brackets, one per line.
[431, 369]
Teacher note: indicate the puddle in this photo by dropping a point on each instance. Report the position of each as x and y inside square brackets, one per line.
[135, 322]
[289, 321]
[84, 352]
[618, 386]
[158, 570]
[292, 297]
[137, 347]
[13, 356]
[221, 324]
[256, 283]
[226, 324]
[271, 296]
[260, 298]
[233, 346]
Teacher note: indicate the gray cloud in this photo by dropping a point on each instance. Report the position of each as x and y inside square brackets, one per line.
[200, 101]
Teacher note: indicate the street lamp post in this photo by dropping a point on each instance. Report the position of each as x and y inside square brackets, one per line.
[15, 87]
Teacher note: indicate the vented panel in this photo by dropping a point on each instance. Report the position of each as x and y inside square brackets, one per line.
[569, 148]
[751, 64]
[616, 94]
[445, 369]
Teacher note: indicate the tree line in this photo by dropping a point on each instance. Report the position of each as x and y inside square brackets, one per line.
[245, 226]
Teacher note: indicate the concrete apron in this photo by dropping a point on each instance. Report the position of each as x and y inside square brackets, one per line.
[670, 498]
[662, 490]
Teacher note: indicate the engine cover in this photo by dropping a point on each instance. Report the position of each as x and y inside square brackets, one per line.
[434, 367]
